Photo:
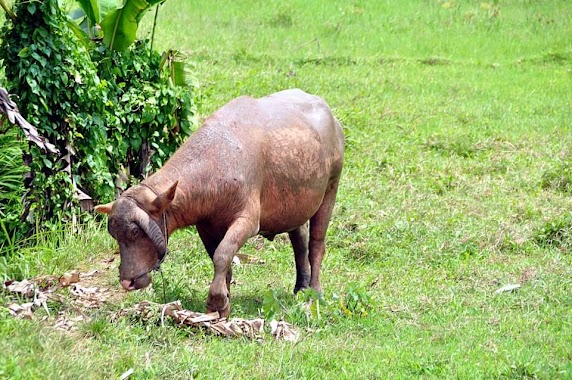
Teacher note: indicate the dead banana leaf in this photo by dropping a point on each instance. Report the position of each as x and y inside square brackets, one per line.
[69, 278]
[24, 288]
[89, 297]
[66, 323]
[235, 327]
[21, 311]
[284, 330]
[8, 107]
[90, 273]
[46, 282]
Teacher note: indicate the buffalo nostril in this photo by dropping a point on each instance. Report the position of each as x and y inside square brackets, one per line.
[127, 284]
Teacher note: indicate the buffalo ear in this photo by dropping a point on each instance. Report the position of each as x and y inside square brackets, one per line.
[164, 199]
[104, 209]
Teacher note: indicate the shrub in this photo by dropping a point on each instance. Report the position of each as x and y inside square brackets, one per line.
[60, 93]
[109, 113]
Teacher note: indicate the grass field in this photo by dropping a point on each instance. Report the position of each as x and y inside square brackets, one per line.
[458, 181]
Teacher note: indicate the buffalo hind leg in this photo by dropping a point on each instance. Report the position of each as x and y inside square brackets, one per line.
[318, 227]
[299, 238]
[235, 237]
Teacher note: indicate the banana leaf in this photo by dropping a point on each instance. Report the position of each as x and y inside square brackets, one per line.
[7, 9]
[120, 25]
[96, 10]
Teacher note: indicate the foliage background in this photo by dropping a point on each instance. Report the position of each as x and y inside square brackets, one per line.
[111, 114]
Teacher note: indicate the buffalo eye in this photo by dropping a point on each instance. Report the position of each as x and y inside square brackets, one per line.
[134, 232]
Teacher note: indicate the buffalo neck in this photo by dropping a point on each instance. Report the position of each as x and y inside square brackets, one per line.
[188, 204]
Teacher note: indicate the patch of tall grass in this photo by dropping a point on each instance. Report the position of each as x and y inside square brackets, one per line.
[12, 170]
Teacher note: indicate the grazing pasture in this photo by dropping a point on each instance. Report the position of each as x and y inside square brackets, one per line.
[457, 182]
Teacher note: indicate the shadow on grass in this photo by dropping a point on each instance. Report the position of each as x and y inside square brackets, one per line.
[244, 304]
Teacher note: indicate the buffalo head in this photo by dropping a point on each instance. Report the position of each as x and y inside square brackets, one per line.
[138, 222]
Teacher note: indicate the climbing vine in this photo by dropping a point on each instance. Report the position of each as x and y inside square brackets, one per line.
[112, 115]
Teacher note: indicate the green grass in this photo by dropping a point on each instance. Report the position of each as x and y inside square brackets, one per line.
[457, 182]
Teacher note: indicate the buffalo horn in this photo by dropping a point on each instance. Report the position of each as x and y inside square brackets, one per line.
[152, 230]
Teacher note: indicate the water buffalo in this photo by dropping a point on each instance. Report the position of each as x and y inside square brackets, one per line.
[256, 166]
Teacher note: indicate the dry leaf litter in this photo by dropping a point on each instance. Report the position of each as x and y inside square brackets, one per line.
[42, 289]
[84, 298]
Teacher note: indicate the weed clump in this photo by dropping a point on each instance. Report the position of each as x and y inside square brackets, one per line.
[312, 308]
[461, 146]
[558, 178]
[282, 19]
[556, 234]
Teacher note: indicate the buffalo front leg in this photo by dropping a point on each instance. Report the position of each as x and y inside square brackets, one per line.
[318, 227]
[211, 243]
[299, 239]
[234, 238]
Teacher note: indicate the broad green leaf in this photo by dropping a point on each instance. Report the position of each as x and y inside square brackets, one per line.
[96, 10]
[90, 14]
[82, 24]
[120, 25]
[79, 33]
[91, 9]
[32, 8]
[7, 9]
[47, 163]
[151, 4]
[24, 53]
[178, 74]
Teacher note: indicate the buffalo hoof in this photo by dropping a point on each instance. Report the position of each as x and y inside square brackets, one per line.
[302, 281]
[220, 303]
[297, 288]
